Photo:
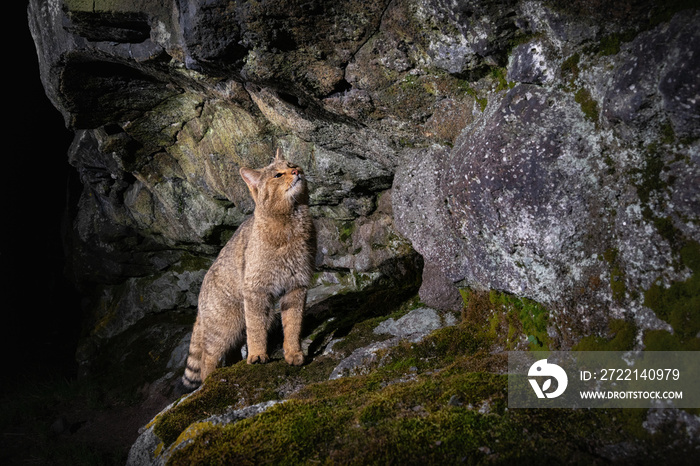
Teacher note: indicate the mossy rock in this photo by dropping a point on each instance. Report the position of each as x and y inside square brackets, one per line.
[679, 305]
[507, 319]
[622, 338]
[441, 400]
[432, 413]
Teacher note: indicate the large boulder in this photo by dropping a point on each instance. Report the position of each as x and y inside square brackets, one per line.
[580, 195]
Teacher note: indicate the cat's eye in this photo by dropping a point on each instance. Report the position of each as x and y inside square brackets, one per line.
[278, 175]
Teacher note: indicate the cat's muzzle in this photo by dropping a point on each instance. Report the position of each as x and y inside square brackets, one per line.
[298, 180]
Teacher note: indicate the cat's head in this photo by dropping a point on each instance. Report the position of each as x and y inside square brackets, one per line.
[277, 188]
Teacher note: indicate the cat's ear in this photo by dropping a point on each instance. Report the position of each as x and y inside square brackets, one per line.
[251, 178]
[278, 156]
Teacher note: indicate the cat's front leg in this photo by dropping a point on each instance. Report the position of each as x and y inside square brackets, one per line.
[292, 309]
[257, 321]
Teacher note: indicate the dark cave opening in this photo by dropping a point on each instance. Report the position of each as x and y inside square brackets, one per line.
[42, 306]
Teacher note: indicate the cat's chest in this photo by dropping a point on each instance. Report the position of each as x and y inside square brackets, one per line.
[286, 247]
[281, 236]
[282, 244]
[277, 266]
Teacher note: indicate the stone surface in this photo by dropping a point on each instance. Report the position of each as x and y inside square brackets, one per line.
[530, 64]
[412, 327]
[418, 321]
[142, 452]
[539, 190]
[437, 291]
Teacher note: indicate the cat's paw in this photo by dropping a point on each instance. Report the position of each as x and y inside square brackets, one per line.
[258, 358]
[294, 359]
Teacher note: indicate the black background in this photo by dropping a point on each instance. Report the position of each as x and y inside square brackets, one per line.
[41, 308]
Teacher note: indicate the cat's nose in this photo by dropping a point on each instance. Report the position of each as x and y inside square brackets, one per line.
[296, 171]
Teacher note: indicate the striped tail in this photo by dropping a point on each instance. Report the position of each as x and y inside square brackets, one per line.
[193, 369]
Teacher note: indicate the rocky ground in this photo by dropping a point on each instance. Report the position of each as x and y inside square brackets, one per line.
[416, 386]
[383, 383]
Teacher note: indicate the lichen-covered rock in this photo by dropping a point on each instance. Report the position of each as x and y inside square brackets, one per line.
[148, 448]
[531, 64]
[419, 321]
[420, 214]
[412, 327]
[540, 199]
[437, 291]
[514, 195]
[465, 36]
[432, 386]
[655, 81]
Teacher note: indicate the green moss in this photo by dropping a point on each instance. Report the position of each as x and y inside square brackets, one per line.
[650, 182]
[439, 401]
[482, 101]
[664, 226]
[504, 318]
[254, 384]
[610, 255]
[502, 83]
[466, 87]
[345, 231]
[465, 293]
[610, 45]
[617, 275]
[447, 417]
[388, 427]
[650, 175]
[242, 384]
[690, 256]
[570, 68]
[623, 335]
[358, 417]
[679, 304]
[662, 340]
[668, 136]
[449, 343]
[235, 386]
[381, 425]
[189, 262]
[530, 314]
[588, 105]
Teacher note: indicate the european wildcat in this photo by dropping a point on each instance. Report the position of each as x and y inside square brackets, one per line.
[270, 256]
